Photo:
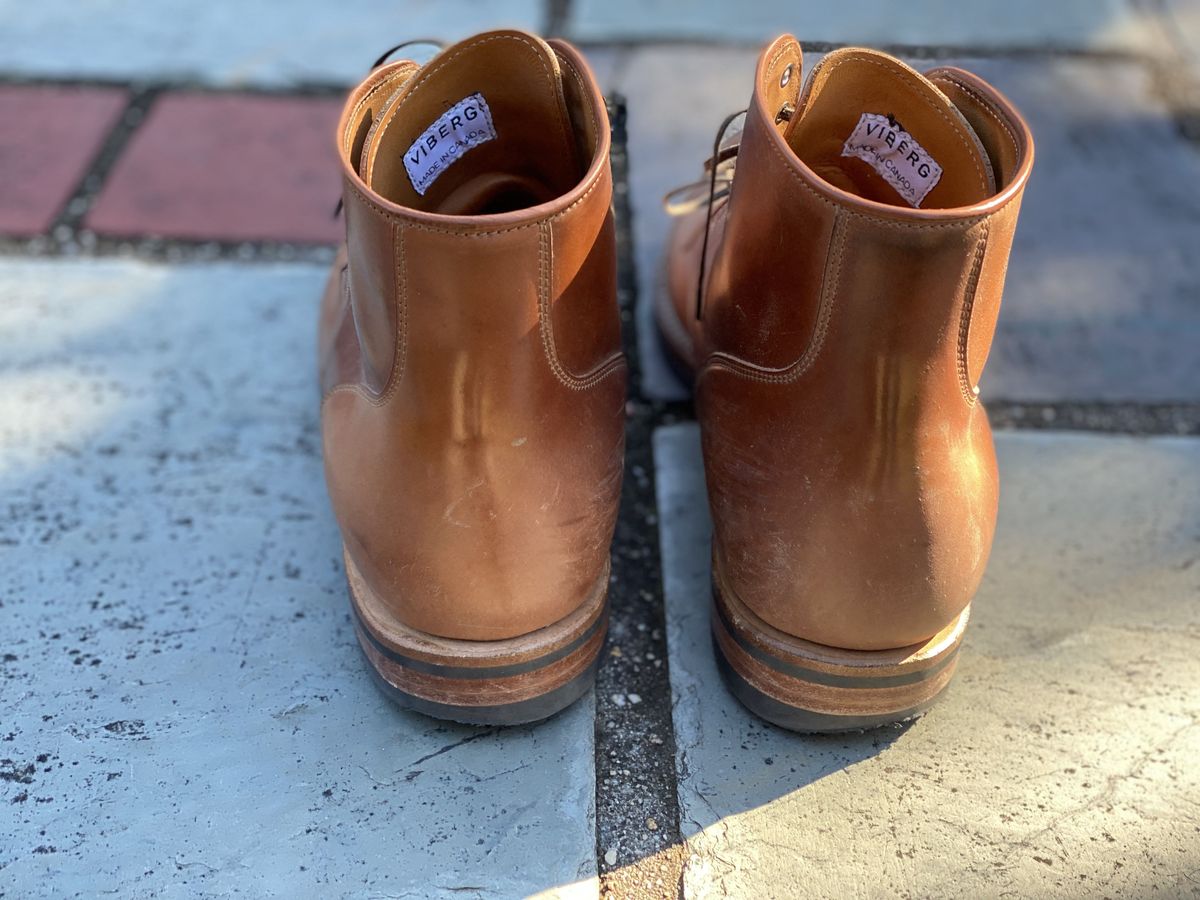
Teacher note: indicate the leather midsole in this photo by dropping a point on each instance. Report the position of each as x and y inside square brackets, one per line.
[466, 659]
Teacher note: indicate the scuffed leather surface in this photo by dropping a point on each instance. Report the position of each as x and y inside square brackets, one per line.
[476, 482]
[850, 468]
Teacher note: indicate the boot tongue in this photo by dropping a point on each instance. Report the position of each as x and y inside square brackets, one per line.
[483, 127]
[870, 125]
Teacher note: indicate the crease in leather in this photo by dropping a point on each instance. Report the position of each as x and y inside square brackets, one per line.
[854, 504]
[831, 279]
[477, 492]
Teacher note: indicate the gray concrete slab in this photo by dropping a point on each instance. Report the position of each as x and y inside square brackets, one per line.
[1072, 24]
[1101, 295]
[1060, 763]
[269, 42]
[183, 709]
[1102, 287]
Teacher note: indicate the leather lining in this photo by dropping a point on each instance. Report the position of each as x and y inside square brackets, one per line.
[853, 81]
[540, 151]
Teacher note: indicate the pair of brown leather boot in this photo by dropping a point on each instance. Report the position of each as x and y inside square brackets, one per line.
[833, 284]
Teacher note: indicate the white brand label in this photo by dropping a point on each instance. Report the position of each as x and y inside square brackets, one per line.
[467, 124]
[894, 153]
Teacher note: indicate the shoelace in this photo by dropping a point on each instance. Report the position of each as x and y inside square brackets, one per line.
[430, 42]
[719, 170]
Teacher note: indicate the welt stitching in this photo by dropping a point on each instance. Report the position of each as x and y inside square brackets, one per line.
[357, 389]
[400, 350]
[964, 323]
[391, 217]
[991, 109]
[942, 113]
[564, 116]
[366, 165]
[384, 82]
[582, 92]
[546, 328]
[830, 286]
[471, 46]
[786, 48]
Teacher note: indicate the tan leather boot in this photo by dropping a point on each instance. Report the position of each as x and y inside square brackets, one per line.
[473, 384]
[859, 236]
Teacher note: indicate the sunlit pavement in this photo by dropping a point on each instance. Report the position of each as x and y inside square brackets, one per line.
[1062, 760]
[182, 707]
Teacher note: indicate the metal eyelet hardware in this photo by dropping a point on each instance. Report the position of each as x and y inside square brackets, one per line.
[785, 113]
[786, 76]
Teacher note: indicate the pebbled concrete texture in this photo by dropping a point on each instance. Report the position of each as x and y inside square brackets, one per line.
[183, 709]
[270, 42]
[1112, 25]
[1100, 299]
[1060, 763]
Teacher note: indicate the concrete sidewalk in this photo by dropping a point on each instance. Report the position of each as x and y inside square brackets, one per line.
[1062, 760]
[183, 711]
[184, 707]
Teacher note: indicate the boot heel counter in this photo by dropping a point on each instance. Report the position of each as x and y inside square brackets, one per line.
[868, 543]
[507, 463]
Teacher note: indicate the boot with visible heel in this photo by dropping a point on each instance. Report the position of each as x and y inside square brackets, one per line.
[473, 383]
[834, 281]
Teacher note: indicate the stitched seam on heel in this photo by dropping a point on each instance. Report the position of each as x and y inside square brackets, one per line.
[829, 291]
[546, 326]
[964, 324]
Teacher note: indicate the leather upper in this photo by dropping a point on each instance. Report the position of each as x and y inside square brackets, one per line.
[473, 384]
[850, 467]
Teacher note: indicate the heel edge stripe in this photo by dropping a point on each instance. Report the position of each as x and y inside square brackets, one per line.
[480, 672]
[828, 679]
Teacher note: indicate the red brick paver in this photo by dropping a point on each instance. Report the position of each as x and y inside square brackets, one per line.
[48, 137]
[227, 167]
